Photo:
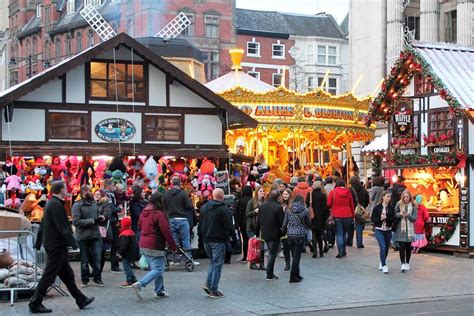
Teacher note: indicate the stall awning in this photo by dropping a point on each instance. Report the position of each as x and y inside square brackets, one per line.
[380, 143]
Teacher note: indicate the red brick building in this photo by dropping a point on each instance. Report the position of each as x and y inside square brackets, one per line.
[264, 37]
[45, 32]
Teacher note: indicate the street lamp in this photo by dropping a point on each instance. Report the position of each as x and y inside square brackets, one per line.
[16, 60]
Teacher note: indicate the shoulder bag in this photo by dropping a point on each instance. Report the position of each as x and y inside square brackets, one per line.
[310, 208]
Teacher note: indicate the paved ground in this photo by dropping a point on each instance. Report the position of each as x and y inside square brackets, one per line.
[437, 284]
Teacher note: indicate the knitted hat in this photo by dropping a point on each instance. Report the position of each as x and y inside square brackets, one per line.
[126, 223]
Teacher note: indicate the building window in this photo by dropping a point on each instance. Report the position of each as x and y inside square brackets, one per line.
[330, 85]
[38, 11]
[90, 38]
[58, 47]
[67, 45]
[68, 126]
[327, 55]
[423, 85]
[311, 83]
[276, 79]
[450, 30]
[254, 74]
[212, 65]
[253, 49]
[321, 54]
[47, 50]
[79, 42]
[47, 16]
[165, 128]
[278, 51]
[71, 6]
[413, 24]
[34, 47]
[94, 3]
[310, 54]
[332, 55]
[189, 31]
[103, 76]
[212, 26]
[440, 123]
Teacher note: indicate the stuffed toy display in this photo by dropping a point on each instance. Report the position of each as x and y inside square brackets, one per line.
[31, 205]
[151, 172]
[10, 168]
[57, 170]
[206, 180]
[12, 186]
[135, 172]
[87, 168]
[72, 167]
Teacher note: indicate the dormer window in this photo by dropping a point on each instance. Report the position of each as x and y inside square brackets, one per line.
[93, 3]
[71, 6]
[38, 11]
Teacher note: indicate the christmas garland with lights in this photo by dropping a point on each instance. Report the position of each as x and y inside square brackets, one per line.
[393, 86]
[417, 159]
[446, 232]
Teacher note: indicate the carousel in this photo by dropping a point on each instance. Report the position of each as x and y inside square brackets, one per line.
[308, 132]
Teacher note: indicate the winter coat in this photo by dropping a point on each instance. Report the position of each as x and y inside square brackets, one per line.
[296, 221]
[215, 223]
[241, 208]
[377, 213]
[421, 219]
[128, 247]
[362, 195]
[55, 230]
[85, 217]
[178, 204]
[155, 229]
[320, 208]
[403, 236]
[121, 198]
[302, 189]
[251, 216]
[270, 220]
[341, 203]
[136, 207]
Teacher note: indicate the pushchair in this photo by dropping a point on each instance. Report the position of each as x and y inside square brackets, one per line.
[179, 258]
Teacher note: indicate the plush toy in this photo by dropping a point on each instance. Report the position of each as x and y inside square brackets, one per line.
[72, 167]
[117, 164]
[57, 170]
[87, 168]
[253, 177]
[11, 186]
[117, 176]
[31, 205]
[151, 172]
[10, 168]
[135, 166]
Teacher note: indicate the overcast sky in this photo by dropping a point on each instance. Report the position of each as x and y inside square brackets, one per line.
[338, 8]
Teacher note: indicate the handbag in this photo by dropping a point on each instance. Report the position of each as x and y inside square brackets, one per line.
[360, 212]
[253, 253]
[143, 263]
[104, 231]
[310, 208]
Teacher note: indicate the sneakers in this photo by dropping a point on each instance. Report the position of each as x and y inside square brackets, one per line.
[117, 270]
[126, 285]
[162, 295]
[99, 283]
[385, 269]
[273, 278]
[137, 287]
[407, 267]
[217, 294]
[196, 264]
[403, 268]
[206, 289]
[380, 266]
[84, 284]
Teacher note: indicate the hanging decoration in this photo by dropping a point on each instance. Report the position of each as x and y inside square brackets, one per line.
[446, 232]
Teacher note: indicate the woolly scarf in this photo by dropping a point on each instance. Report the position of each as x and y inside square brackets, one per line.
[406, 225]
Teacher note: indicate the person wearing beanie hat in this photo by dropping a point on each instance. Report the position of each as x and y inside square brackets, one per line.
[127, 251]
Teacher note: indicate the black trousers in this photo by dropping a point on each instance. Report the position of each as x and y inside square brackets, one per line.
[296, 246]
[273, 246]
[286, 250]
[405, 251]
[114, 261]
[57, 264]
[245, 242]
[318, 238]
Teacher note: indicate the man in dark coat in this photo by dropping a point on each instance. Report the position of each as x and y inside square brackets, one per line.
[55, 235]
[269, 223]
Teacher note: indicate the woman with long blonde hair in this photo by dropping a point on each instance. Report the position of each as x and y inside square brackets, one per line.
[406, 211]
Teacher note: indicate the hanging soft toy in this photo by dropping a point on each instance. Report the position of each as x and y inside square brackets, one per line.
[12, 186]
[31, 205]
[100, 166]
[10, 168]
[72, 167]
[151, 172]
[117, 171]
[57, 170]
[135, 167]
[206, 180]
[253, 177]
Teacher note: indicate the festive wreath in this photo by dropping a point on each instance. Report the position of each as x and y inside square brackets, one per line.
[446, 232]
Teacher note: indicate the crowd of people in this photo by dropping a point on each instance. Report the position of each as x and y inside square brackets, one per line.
[313, 214]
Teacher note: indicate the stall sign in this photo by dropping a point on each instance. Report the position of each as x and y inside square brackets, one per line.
[403, 118]
[439, 219]
[463, 217]
[441, 150]
[222, 181]
[406, 152]
[115, 130]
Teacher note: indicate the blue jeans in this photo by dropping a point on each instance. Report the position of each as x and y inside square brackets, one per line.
[342, 228]
[91, 250]
[383, 238]
[127, 268]
[181, 233]
[157, 268]
[350, 234]
[215, 251]
[273, 246]
[360, 234]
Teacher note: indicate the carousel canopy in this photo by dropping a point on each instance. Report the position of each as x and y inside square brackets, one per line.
[238, 78]
[377, 145]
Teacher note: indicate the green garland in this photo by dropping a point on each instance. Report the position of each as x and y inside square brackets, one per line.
[446, 232]
[381, 108]
[417, 159]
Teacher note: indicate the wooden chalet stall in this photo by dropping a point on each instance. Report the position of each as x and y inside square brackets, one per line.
[426, 100]
[117, 97]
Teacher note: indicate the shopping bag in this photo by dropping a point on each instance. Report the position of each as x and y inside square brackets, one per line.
[253, 253]
[143, 263]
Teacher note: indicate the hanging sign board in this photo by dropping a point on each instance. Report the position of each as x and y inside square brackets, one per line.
[403, 118]
[115, 129]
[222, 181]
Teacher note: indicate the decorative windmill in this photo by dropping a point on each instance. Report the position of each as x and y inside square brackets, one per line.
[97, 22]
[174, 27]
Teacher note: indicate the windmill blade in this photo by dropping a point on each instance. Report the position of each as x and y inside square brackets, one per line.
[97, 22]
[175, 27]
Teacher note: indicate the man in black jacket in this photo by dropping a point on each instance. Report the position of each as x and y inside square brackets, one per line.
[215, 225]
[55, 235]
[269, 222]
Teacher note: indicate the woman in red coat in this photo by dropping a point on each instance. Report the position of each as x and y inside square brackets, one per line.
[342, 209]
[155, 234]
[422, 218]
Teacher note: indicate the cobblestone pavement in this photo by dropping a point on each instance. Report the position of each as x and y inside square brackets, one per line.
[329, 284]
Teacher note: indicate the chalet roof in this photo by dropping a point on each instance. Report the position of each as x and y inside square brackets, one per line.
[238, 79]
[272, 22]
[380, 143]
[173, 47]
[453, 64]
[236, 118]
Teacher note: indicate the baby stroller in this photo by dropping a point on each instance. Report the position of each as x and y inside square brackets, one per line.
[179, 258]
